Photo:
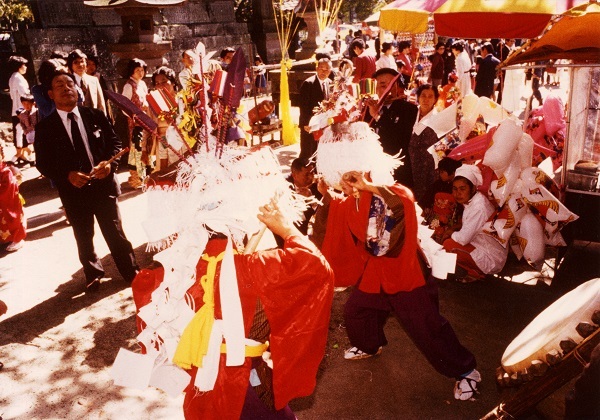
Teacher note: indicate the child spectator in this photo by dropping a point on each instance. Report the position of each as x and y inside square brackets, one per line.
[260, 78]
[439, 206]
[449, 92]
[13, 223]
[28, 118]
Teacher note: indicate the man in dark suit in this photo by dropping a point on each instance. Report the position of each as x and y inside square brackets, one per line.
[312, 91]
[486, 74]
[394, 121]
[73, 145]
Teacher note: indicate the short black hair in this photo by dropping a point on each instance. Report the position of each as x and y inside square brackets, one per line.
[387, 70]
[226, 51]
[133, 64]
[488, 47]
[301, 162]
[93, 58]
[357, 42]
[47, 70]
[320, 55]
[449, 165]
[168, 73]
[384, 70]
[59, 72]
[458, 46]
[16, 61]
[74, 55]
[403, 44]
[386, 46]
[427, 86]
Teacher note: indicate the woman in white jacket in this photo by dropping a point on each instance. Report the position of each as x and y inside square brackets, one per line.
[477, 252]
[463, 67]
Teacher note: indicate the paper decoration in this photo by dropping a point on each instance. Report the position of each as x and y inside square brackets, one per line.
[171, 379]
[132, 370]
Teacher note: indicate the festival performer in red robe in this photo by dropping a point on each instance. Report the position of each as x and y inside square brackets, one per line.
[371, 243]
[261, 318]
[12, 218]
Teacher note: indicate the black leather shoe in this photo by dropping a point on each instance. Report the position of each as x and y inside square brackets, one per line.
[93, 286]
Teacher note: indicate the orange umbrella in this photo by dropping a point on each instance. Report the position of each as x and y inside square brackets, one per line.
[497, 18]
[575, 36]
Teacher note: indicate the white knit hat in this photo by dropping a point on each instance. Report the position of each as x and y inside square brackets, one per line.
[471, 172]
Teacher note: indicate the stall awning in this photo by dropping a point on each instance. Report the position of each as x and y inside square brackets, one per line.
[575, 36]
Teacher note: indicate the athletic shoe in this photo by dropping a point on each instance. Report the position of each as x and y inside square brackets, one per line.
[465, 389]
[355, 354]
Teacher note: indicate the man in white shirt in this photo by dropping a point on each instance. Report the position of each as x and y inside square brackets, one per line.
[91, 90]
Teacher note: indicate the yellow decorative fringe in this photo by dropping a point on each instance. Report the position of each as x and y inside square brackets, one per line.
[193, 344]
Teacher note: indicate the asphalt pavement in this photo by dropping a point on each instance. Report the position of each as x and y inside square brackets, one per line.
[58, 344]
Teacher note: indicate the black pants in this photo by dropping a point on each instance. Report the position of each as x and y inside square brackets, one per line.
[535, 87]
[418, 313]
[105, 208]
[308, 144]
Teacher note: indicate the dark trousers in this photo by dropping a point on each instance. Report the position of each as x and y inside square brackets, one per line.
[105, 208]
[308, 144]
[418, 313]
[535, 87]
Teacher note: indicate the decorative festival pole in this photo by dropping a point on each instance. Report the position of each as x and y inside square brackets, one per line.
[284, 18]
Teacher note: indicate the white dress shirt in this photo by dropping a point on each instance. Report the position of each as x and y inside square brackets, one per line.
[67, 123]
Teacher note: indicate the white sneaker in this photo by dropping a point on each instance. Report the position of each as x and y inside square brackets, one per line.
[355, 354]
[15, 246]
[466, 388]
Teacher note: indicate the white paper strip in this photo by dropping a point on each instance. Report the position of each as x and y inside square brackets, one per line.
[231, 309]
[171, 379]
[132, 369]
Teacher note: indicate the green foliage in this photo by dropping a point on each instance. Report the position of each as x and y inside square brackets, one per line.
[243, 10]
[13, 12]
[360, 9]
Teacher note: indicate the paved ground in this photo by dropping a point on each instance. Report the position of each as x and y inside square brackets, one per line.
[57, 345]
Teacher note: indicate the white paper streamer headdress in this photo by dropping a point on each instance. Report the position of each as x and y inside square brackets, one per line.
[354, 146]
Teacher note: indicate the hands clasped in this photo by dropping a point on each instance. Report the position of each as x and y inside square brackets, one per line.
[80, 179]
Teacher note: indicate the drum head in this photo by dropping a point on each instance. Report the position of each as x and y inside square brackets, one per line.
[554, 324]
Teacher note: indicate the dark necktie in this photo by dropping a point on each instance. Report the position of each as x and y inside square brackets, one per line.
[84, 160]
[84, 89]
[324, 89]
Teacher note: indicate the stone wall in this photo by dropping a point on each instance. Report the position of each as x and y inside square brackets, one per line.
[68, 24]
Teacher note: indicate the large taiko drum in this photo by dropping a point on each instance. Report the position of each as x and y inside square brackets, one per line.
[558, 323]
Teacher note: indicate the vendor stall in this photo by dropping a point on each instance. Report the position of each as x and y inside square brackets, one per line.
[575, 36]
